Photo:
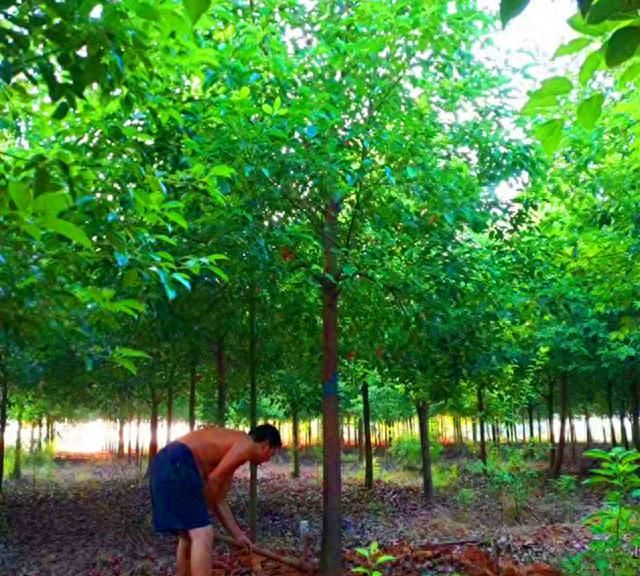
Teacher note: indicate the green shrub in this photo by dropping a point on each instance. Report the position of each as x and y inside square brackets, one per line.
[371, 560]
[407, 452]
[616, 526]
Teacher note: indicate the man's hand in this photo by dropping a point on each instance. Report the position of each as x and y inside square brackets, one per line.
[243, 539]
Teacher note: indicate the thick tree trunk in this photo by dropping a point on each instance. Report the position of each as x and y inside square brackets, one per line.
[423, 419]
[368, 451]
[120, 437]
[193, 383]
[253, 412]
[635, 409]
[481, 416]
[295, 473]
[16, 473]
[614, 441]
[331, 548]
[221, 365]
[564, 413]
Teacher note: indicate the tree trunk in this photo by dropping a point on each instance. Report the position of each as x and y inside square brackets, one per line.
[572, 434]
[39, 434]
[221, 365]
[530, 416]
[368, 451]
[423, 419]
[623, 430]
[193, 383]
[129, 446]
[587, 422]
[4, 405]
[474, 432]
[16, 473]
[481, 416]
[550, 410]
[138, 441]
[120, 437]
[296, 441]
[564, 413]
[331, 549]
[360, 440]
[614, 441]
[635, 410]
[153, 442]
[253, 412]
[169, 412]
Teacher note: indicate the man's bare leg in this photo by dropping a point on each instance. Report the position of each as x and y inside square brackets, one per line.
[201, 550]
[184, 554]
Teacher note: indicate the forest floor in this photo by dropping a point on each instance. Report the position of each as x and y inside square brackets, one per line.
[92, 517]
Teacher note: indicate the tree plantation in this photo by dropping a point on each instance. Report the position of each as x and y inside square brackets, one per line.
[361, 222]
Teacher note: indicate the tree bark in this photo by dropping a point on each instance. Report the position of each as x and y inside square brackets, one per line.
[221, 366]
[423, 419]
[4, 406]
[530, 416]
[253, 412]
[481, 416]
[295, 473]
[614, 441]
[635, 409]
[153, 442]
[368, 451]
[193, 384]
[331, 548]
[623, 430]
[120, 437]
[360, 440]
[550, 410]
[16, 473]
[169, 411]
[564, 413]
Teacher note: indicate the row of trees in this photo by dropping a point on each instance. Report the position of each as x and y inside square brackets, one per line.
[190, 195]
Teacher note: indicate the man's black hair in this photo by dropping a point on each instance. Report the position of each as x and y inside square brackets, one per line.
[266, 432]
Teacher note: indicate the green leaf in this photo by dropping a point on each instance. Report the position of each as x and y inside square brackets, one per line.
[169, 290]
[267, 108]
[52, 203]
[21, 194]
[183, 279]
[222, 170]
[66, 229]
[177, 218]
[630, 74]
[133, 304]
[572, 47]
[589, 111]
[549, 135]
[126, 363]
[608, 9]
[196, 8]
[555, 86]
[579, 24]
[384, 558]
[589, 67]
[509, 9]
[61, 111]
[622, 45]
[123, 351]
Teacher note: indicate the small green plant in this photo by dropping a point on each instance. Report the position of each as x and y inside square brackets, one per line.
[371, 560]
[407, 452]
[465, 497]
[616, 526]
[566, 484]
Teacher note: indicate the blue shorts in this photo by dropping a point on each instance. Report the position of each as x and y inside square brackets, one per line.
[177, 491]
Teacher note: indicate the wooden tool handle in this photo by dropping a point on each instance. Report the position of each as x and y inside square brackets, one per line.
[287, 560]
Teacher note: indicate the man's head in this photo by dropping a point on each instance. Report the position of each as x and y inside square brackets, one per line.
[268, 442]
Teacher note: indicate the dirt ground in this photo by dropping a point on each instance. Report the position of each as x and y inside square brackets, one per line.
[93, 518]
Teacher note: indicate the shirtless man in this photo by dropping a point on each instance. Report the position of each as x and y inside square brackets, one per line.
[196, 470]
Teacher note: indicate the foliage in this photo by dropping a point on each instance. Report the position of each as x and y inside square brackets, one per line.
[616, 526]
[373, 560]
[407, 451]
